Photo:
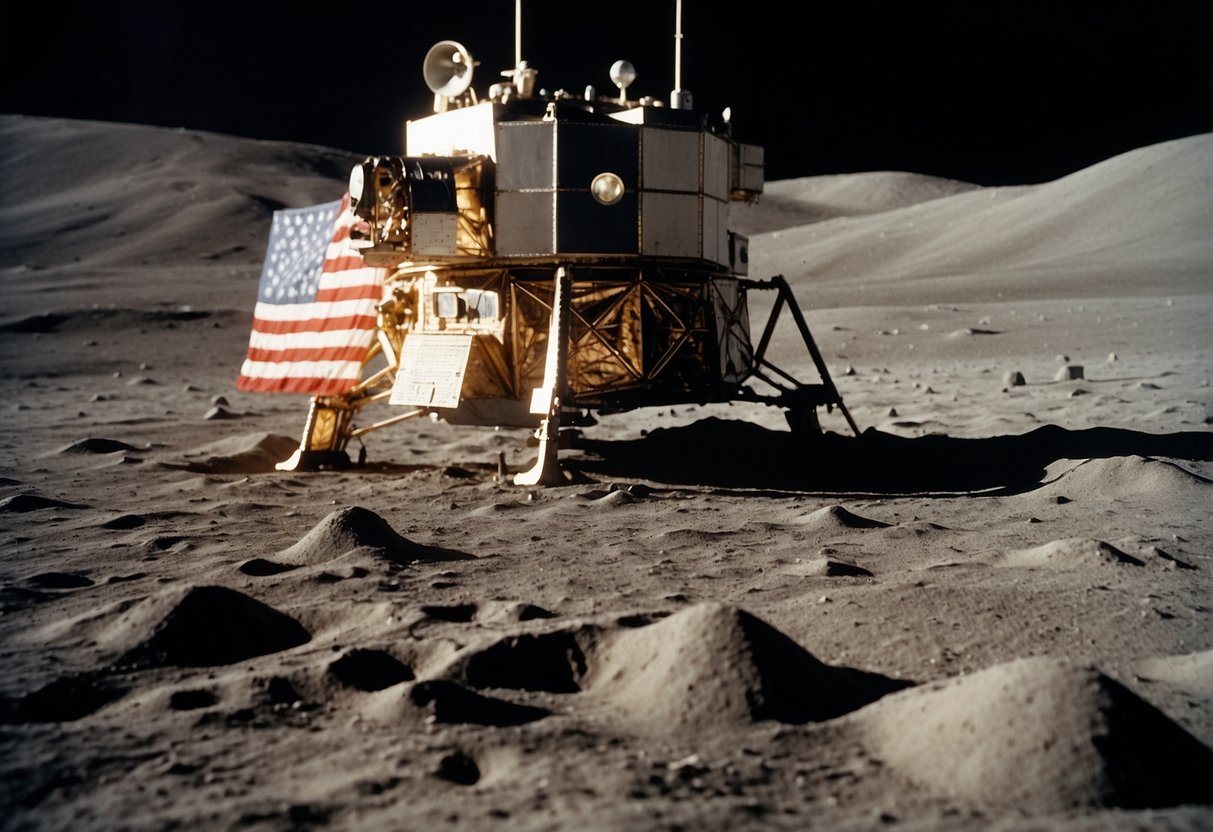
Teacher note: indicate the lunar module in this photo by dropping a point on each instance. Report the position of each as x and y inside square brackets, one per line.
[553, 255]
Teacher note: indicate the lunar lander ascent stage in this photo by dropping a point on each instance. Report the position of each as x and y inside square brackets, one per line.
[552, 255]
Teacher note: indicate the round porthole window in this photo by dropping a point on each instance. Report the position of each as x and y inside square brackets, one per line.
[607, 188]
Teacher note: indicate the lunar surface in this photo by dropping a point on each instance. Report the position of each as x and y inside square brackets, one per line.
[989, 610]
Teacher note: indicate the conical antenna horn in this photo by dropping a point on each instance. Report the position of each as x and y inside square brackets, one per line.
[448, 69]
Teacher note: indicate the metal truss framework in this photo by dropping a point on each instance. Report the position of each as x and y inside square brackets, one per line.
[635, 337]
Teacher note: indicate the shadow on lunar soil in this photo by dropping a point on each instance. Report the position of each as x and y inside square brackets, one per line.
[735, 454]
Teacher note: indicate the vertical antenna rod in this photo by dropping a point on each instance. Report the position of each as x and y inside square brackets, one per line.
[677, 44]
[680, 99]
[518, 33]
[522, 75]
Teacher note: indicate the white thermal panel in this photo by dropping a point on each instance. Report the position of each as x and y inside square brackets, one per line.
[670, 160]
[716, 152]
[670, 224]
[462, 131]
[525, 222]
[434, 233]
[715, 231]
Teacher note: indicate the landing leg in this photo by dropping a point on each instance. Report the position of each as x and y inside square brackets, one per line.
[325, 435]
[820, 363]
[803, 421]
[801, 399]
[546, 399]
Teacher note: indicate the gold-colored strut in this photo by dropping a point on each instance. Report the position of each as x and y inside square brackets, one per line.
[329, 425]
[474, 233]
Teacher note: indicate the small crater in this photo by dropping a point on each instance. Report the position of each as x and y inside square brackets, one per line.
[44, 323]
[63, 700]
[552, 662]
[281, 692]
[59, 580]
[97, 445]
[126, 521]
[370, 670]
[191, 700]
[459, 768]
[449, 702]
[459, 613]
[33, 502]
[260, 567]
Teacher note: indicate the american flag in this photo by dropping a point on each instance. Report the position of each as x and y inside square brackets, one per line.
[315, 314]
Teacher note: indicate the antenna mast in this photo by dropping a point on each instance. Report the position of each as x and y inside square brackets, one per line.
[518, 33]
[522, 76]
[680, 99]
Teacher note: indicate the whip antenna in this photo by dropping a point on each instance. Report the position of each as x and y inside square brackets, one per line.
[680, 99]
[521, 76]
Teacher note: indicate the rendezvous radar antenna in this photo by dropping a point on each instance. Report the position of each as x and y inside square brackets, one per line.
[552, 256]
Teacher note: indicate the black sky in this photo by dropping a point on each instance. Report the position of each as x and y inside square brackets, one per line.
[993, 93]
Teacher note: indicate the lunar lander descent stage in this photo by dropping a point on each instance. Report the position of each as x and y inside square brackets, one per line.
[552, 255]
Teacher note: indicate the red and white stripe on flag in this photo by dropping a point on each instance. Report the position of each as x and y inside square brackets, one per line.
[315, 315]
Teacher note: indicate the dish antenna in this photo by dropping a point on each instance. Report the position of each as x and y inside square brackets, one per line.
[448, 73]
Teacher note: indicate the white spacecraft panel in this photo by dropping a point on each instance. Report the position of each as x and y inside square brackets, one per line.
[434, 233]
[432, 369]
[525, 222]
[525, 155]
[462, 131]
[750, 168]
[715, 231]
[752, 154]
[670, 159]
[739, 253]
[670, 224]
[716, 154]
